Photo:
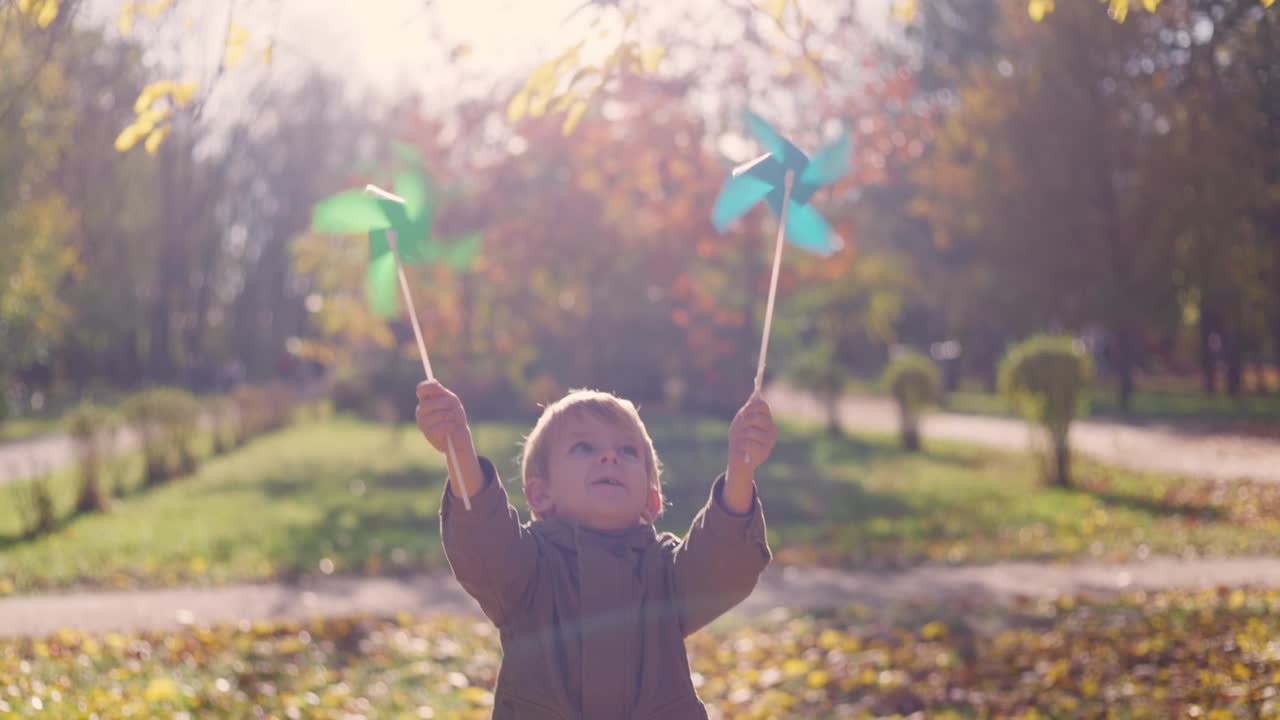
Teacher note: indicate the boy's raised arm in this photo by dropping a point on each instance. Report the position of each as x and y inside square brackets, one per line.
[720, 559]
[492, 556]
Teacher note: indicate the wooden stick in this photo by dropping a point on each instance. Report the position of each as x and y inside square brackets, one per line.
[456, 470]
[773, 282]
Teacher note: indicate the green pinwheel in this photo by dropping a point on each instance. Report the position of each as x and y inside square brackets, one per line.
[408, 214]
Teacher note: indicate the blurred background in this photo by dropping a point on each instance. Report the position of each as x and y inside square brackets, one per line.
[1017, 169]
[213, 501]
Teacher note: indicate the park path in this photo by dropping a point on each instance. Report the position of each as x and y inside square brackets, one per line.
[781, 586]
[21, 459]
[1154, 447]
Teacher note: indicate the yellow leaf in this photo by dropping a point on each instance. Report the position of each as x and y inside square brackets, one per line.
[237, 34]
[776, 8]
[267, 53]
[149, 95]
[651, 57]
[125, 23]
[811, 70]
[234, 56]
[147, 121]
[477, 695]
[48, 13]
[933, 631]
[818, 679]
[184, 93]
[565, 101]
[160, 689]
[1119, 10]
[1268, 3]
[1235, 601]
[518, 105]
[1151, 5]
[905, 11]
[6, 586]
[794, 667]
[1037, 9]
[155, 8]
[127, 138]
[575, 115]
[538, 104]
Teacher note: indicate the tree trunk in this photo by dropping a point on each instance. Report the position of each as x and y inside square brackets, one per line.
[1062, 463]
[1208, 355]
[1275, 348]
[908, 429]
[91, 498]
[831, 403]
[1233, 352]
[1124, 368]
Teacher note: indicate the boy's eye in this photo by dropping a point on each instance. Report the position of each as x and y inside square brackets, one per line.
[581, 446]
[629, 451]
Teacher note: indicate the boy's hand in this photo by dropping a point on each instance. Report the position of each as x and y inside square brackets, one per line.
[440, 415]
[752, 436]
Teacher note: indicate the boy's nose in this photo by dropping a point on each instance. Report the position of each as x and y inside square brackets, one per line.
[608, 456]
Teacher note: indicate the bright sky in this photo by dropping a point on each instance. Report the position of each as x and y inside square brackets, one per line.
[405, 45]
[394, 46]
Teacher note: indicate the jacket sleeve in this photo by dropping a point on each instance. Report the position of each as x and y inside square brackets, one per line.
[720, 559]
[493, 557]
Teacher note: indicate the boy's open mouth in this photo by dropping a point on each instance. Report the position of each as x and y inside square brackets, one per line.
[607, 480]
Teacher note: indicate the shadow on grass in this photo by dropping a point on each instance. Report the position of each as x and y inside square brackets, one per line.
[1159, 508]
[796, 485]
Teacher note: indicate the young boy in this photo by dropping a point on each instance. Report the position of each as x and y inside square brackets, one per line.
[591, 604]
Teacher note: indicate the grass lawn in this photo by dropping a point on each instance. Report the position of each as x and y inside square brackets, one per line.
[1149, 405]
[24, 428]
[1162, 400]
[1158, 655]
[345, 496]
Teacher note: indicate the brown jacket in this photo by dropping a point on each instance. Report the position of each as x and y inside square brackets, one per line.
[593, 623]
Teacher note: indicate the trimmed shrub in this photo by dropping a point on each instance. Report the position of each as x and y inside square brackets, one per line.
[166, 420]
[92, 432]
[1044, 378]
[915, 384]
[817, 370]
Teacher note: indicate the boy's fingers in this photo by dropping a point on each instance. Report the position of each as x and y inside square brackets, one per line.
[435, 415]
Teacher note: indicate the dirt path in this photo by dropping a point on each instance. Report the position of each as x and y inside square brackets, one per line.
[792, 587]
[1157, 448]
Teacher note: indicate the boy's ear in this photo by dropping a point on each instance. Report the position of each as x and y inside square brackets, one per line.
[653, 506]
[537, 495]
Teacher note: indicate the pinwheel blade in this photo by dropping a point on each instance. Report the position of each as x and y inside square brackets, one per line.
[381, 286]
[768, 137]
[414, 188]
[830, 163]
[738, 195]
[807, 229]
[461, 252]
[349, 213]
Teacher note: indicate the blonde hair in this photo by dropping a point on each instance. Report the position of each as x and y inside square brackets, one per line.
[535, 454]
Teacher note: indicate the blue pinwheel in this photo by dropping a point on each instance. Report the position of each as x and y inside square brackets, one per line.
[765, 178]
[787, 179]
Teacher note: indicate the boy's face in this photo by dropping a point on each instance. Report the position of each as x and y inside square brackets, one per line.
[598, 475]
